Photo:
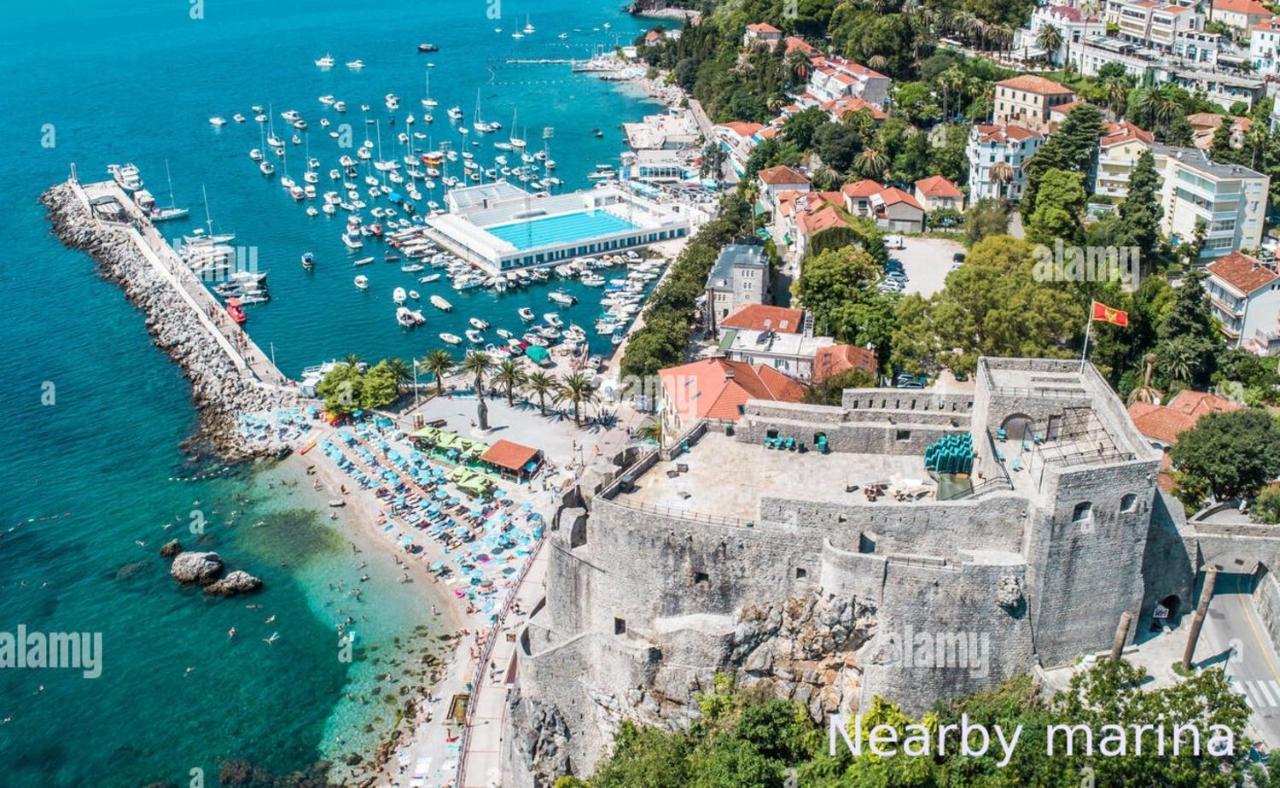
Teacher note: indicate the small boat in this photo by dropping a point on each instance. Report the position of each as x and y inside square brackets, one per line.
[352, 242]
[234, 311]
[267, 168]
[439, 303]
[308, 260]
[238, 118]
[424, 48]
[413, 295]
[399, 295]
[217, 121]
[474, 336]
[553, 319]
[337, 503]
[362, 282]
[505, 334]
[325, 62]
[355, 65]
[429, 278]
[363, 261]
[478, 324]
[526, 314]
[412, 268]
[452, 339]
[407, 318]
[562, 298]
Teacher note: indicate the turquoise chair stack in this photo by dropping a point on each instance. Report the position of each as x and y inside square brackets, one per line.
[950, 454]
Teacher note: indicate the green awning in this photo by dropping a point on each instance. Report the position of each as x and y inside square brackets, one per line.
[537, 354]
[726, 341]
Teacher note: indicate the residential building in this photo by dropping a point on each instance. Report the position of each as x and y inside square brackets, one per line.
[761, 35]
[857, 196]
[776, 180]
[990, 147]
[835, 360]
[1118, 150]
[717, 389]
[738, 138]
[831, 78]
[1229, 199]
[1151, 24]
[1245, 295]
[1193, 62]
[845, 105]
[739, 277]
[765, 317]
[1162, 424]
[790, 354]
[1072, 23]
[894, 209]
[1205, 124]
[1264, 46]
[937, 193]
[1027, 99]
[1242, 15]
[799, 215]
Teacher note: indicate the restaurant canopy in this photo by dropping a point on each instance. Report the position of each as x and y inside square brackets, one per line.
[537, 354]
[510, 456]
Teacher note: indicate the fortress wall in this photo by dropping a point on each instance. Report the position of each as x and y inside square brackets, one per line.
[1266, 598]
[1085, 574]
[906, 399]
[849, 573]
[905, 437]
[993, 522]
[1169, 560]
[947, 631]
[638, 566]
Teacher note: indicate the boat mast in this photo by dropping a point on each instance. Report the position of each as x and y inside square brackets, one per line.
[172, 202]
[208, 220]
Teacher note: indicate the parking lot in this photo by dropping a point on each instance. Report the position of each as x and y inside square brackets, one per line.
[924, 263]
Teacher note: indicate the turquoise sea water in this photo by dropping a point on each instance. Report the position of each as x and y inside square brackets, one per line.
[93, 415]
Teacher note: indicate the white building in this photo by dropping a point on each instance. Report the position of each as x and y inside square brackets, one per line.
[1264, 46]
[738, 138]
[1151, 24]
[1118, 150]
[990, 145]
[1240, 15]
[761, 34]
[1229, 199]
[1245, 294]
[1072, 23]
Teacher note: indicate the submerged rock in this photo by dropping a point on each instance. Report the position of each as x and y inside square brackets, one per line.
[171, 548]
[202, 568]
[235, 584]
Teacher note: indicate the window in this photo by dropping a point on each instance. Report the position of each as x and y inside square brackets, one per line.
[701, 577]
[1129, 503]
[904, 435]
[619, 626]
[1083, 513]
[801, 573]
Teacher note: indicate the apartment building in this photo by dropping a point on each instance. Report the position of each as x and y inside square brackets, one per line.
[1245, 295]
[1118, 150]
[1264, 46]
[738, 138]
[991, 145]
[1074, 25]
[1152, 24]
[833, 78]
[1229, 199]
[1027, 100]
[1240, 15]
[739, 277]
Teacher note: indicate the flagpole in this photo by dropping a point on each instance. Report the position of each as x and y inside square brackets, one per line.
[1088, 327]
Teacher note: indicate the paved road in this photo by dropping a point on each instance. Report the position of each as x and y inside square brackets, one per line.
[1235, 635]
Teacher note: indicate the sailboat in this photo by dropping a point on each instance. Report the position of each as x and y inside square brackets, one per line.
[173, 211]
[428, 102]
[480, 125]
[516, 142]
[528, 27]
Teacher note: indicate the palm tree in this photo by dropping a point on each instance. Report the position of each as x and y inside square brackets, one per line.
[1050, 40]
[1002, 173]
[438, 363]
[651, 430]
[579, 390]
[871, 163]
[952, 81]
[400, 370]
[877, 62]
[1145, 392]
[509, 375]
[540, 384]
[1115, 94]
[479, 363]
[351, 360]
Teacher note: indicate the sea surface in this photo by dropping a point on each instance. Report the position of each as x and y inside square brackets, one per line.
[95, 479]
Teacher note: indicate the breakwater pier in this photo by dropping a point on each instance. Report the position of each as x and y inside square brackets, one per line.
[229, 373]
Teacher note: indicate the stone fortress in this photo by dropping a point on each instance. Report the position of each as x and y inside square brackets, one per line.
[847, 570]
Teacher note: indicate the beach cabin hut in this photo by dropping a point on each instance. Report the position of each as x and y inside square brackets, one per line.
[512, 459]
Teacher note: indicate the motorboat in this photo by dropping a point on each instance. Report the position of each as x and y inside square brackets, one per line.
[452, 339]
[478, 324]
[526, 314]
[425, 47]
[266, 168]
[352, 242]
[440, 303]
[505, 334]
[126, 176]
[355, 65]
[408, 318]
[362, 261]
[234, 311]
[325, 62]
[553, 320]
[308, 260]
[413, 295]
[362, 282]
[474, 336]
[217, 121]
[399, 295]
[238, 118]
[562, 298]
[429, 278]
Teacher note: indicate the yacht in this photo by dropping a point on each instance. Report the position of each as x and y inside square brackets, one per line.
[408, 318]
[126, 176]
[562, 298]
[217, 121]
[325, 62]
[529, 29]
[352, 242]
[355, 65]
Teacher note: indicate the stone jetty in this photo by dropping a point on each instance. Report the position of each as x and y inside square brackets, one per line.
[223, 384]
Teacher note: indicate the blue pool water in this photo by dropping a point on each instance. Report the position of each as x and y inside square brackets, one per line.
[580, 226]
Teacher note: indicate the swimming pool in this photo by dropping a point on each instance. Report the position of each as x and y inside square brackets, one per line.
[565, 228]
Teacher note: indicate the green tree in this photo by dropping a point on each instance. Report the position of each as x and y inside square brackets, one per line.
[1059, 211]
[1187, 335]
[341, 389]
[1140, 212]
[578, 389]
[831, 390]
[832, 279]
[540, 385]
[381, 386]
[1265, 508]
[1231, 454]
[478, 364]
[510, 376]
[986, 218]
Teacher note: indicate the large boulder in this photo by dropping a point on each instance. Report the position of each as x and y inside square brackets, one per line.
[171, 548]
[234, 584]
[202, 568]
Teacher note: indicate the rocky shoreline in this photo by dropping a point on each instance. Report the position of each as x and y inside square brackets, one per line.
[220, 392]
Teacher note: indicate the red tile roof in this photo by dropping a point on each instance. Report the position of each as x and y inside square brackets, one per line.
[938, 187]
[846, 104]
[1123, 131]
[1242, 273]
[763, 27]
[1201, 403]
[795, 42]
[1245, 7]
[1165, 423]
[863, 188]
[742, 128]
[1031, 83]
[759, 317]
[510, 455]
[715, 388]
[893, 195]
[838, 359]
[1009, 131]
[783, 175]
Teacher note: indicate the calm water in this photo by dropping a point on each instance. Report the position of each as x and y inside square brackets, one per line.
[99, 469]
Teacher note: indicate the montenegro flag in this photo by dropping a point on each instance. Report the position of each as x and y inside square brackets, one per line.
[1107, 314]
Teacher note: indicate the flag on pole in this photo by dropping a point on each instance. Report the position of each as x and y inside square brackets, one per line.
[1106, 314]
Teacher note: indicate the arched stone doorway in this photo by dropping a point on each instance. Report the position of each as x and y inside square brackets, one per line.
[1017, 426]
